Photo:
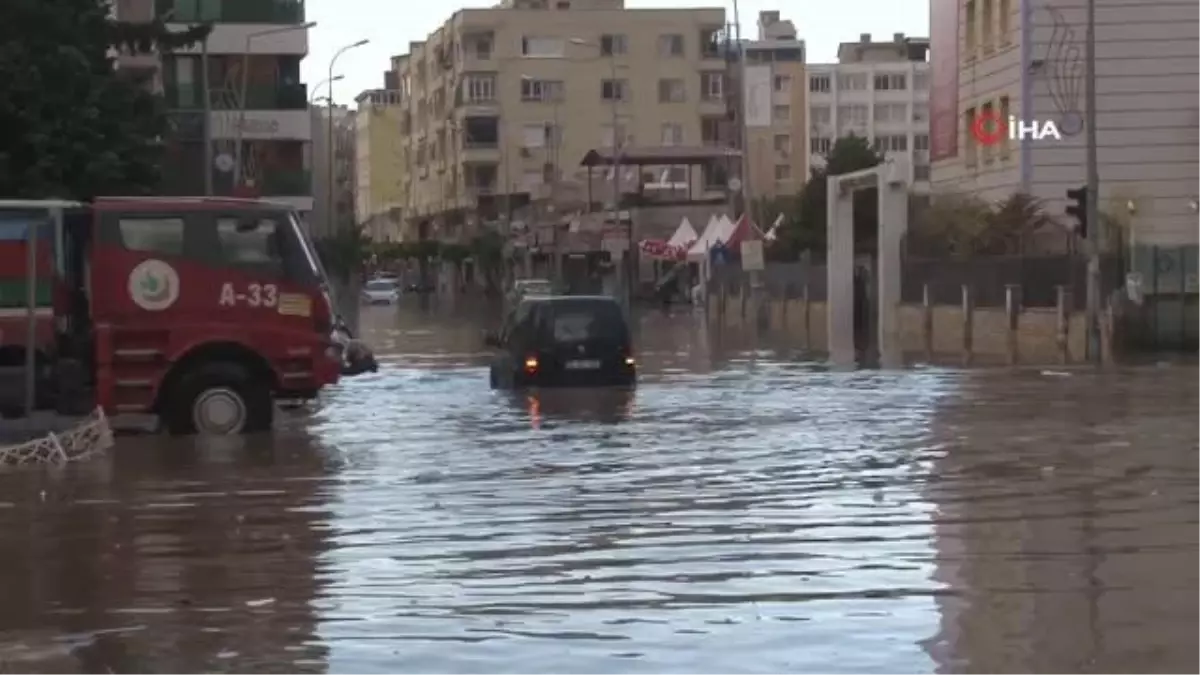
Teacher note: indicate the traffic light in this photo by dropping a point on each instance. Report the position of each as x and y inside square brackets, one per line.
[1079, 209]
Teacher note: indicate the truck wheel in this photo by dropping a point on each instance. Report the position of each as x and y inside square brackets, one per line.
[219, 399]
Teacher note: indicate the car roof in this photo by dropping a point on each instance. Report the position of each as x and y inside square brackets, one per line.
[596, 299]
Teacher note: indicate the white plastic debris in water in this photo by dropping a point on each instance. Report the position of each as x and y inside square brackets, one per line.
[260, 603]
[1055, 373]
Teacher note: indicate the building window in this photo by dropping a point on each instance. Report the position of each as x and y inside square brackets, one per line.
[781, 113]
[783, 144]
[920, 112]
[920, 172]
[969, 147]
[820, 146]
[152, 235]
[535, 135]
[1004, 113]
[712, 130]
[1003, 17]
[783, 172]
[613, 45]
[986, 25]
[820, 114]
[480, 88]
[921, 81]
[783, 83]
[852, 82]
[712, 85]
[854, 115]
[819, 84]
[614, 90]
[891, 112]
[969, 29]
[670, 46]
[921, 142]
[543, 47]
[891, 82]
[988, 111]
[672, 134]
[672, 91]
[896, 143]
[541, 90]
[606, 135]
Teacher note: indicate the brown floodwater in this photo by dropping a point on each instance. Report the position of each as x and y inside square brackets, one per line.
[746, 510]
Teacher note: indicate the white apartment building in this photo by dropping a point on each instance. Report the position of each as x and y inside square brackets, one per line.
[1013, 58]
[877, 90]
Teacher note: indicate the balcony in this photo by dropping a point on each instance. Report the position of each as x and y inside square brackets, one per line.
[258, 97]
[232, 11]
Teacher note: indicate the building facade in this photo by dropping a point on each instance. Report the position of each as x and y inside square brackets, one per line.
[877, 90]
[1025, 59]
[380, 165]
[499, 106]
[258, 121]
[337, 194]
[776, 109]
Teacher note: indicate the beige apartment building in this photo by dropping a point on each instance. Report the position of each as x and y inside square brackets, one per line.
[500, 106]
[776, 110]
[380, 174]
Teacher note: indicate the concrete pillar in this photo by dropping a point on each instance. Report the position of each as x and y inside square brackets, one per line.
[893, 224]
[839, 266]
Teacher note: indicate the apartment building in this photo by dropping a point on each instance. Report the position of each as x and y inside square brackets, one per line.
[500, 105]
[1012, 58]
[255, 98]
[877, 90]
[339, 193]
[380, 165]
[775, 110]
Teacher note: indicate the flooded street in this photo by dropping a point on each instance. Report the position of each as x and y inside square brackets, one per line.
[744, 511]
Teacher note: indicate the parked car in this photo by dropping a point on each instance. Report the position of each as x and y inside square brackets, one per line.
[523, 288]
[563, 341]
[381, 292]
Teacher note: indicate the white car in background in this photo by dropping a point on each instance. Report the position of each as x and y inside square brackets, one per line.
[381, 292]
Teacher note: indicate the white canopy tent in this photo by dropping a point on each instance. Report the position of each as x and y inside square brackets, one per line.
[717, 231]
[684, 235]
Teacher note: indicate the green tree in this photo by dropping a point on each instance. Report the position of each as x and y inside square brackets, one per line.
[71, 125]
[805, 213]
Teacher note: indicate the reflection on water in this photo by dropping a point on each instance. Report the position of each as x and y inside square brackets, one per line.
[742, 511]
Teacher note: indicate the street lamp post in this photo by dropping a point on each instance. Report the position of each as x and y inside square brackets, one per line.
[615, 165]
[241, 126]
[313, 98]
[329, 159]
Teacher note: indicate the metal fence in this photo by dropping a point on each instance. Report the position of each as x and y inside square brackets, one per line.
[988, 278]
[781, 280]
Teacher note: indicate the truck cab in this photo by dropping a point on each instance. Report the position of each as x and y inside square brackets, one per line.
[202, 311]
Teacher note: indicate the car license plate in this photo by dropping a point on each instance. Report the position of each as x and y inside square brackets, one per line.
[583, 365]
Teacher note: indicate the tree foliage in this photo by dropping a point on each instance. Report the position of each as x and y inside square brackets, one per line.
[805, 212]
[71, 125]
[963, 226]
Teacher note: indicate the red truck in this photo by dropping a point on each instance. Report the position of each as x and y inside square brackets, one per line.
[202, 311]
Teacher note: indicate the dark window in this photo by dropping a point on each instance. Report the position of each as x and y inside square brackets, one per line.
[253, 242]
[581, 321]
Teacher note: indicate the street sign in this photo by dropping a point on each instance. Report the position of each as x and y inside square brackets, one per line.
[752, 256]
[224, 162]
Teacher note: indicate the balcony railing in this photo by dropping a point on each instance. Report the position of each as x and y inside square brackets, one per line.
[258, 97]
[232, 11]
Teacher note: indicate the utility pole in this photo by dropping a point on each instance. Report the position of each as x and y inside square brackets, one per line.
[1096, 238]
[740, 112]
[206, 92]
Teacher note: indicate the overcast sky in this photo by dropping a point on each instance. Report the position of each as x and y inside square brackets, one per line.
[391, 24]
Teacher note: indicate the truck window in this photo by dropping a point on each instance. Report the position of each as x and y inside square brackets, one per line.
[250, 242]
[152, 234]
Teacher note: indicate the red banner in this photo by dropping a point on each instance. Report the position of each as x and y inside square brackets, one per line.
[657, 248]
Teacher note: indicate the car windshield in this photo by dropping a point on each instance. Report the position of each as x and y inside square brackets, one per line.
[381, 285]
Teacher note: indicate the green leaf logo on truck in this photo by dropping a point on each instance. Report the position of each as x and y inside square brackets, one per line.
[154, 285]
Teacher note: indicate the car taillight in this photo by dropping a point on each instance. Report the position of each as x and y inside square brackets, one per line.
[531, 363]
[629, 361]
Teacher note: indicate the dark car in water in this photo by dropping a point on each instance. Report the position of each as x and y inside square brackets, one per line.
[563, 341]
